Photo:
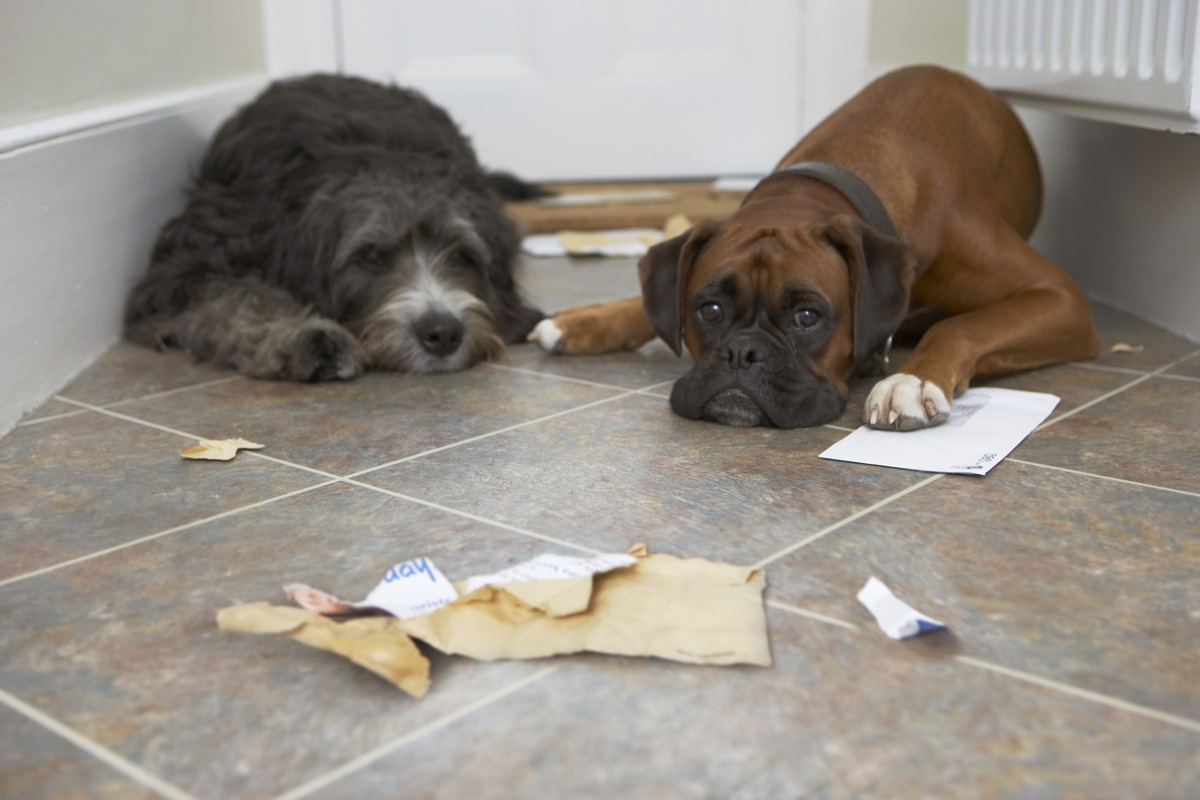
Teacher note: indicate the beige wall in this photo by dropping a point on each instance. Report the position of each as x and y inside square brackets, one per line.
[918, 32]
[63, 56]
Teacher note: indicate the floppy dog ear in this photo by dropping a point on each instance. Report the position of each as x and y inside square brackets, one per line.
[664, 272]
[882, 272]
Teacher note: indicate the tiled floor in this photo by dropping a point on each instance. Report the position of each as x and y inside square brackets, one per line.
[1069, 577]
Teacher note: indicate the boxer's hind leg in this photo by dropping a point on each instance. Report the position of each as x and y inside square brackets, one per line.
[596, 328]
[1011, 309]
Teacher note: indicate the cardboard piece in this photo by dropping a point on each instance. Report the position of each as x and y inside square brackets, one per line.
[377, 642]
[218, 449]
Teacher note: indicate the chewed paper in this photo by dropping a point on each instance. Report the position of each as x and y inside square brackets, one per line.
[984, 427]
[417, 586]
[551, 567]
[895, 617]
[409, 589]
[638, 604]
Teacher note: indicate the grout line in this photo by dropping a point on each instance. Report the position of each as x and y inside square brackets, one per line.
[468, 515]
[127, 418]
[177, 390]
[160, 534]
[1025, 677]
[383, 750]
[1145, 377]
[517, 426]
[1085, 694]
[552, 376]
[94, 749]
[117, 403]
[813, 615]
[1102, 477]
[51, 418]
[847, 520]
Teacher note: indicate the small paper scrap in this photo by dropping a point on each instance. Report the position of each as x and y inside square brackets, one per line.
[984, 427]
[218, 449]
[897, 619]
[1122, 347]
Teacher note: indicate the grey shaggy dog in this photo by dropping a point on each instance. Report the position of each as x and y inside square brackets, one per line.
[336, 224]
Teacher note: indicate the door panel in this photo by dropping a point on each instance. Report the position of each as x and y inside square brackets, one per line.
[597, 88]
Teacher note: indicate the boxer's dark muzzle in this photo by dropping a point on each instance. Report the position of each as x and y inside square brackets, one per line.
[752, 378]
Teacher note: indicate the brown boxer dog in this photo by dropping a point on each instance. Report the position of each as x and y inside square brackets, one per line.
[913, 200]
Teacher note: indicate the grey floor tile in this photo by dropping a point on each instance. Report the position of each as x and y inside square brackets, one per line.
[1075, 579]
[1148, 433]
[1158, 347]
[37, 763]
[78, 485]
[839, 715]
[1189, 368]
[631, 471]
[343, 427]
[650, 366]
[128, 370]
[125, 648]
[557, 283]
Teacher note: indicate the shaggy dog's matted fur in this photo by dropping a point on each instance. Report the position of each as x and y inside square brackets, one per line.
[334, 225]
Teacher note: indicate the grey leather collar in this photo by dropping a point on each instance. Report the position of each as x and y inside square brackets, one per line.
[865, 201]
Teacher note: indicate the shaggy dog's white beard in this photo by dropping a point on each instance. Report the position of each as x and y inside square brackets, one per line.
[390, 339]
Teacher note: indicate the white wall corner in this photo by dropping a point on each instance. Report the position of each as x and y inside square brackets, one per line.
[80, 204]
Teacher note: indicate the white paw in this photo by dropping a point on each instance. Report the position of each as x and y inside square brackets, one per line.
[547, 335]
[904, 402]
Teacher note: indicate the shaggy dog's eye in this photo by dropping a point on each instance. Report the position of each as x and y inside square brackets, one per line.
[805, 319]
[371, 258]
[711, 312]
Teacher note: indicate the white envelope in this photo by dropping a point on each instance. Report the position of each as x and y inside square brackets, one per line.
[984, 426]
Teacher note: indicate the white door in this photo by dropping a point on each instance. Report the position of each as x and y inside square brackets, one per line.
[586, 89]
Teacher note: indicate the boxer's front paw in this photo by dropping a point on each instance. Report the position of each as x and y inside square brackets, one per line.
[594, 329]
[904, 402]
[547, 335]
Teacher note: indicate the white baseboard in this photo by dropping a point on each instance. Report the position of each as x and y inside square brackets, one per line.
[81, 199]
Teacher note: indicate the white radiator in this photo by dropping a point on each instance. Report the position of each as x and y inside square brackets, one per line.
[1127, 61]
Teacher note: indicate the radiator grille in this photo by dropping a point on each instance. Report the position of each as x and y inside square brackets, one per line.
[1128, 61]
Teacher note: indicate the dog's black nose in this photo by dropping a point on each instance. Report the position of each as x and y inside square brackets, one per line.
[743, 353]
[439, 333]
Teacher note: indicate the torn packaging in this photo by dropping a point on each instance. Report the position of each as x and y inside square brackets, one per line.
[688, 610]
[376, 643]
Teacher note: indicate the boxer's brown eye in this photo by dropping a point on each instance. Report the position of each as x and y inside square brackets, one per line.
[806, 318]
[711, 312]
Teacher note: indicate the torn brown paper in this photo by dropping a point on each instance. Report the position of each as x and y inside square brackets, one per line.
[377, 643]
[675, 225]
[581, 243]
[689, 610]
[218, 449]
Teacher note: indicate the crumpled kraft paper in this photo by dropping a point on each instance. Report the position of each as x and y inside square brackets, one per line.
[376, 643]
[689, 610]
[681, 609]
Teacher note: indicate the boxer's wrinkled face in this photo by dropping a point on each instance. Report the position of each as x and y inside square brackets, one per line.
[768, 316]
